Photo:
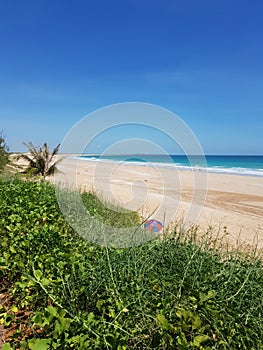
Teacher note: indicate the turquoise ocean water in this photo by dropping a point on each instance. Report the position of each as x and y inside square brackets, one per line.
[238, 165]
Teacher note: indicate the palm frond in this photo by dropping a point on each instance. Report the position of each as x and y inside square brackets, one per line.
[32, 149]
[55, 151]
[23, 156]
[52, 169]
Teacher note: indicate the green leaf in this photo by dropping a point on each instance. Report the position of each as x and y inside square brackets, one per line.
[99, 304]
[163, 322]
[6, 346]
[46, 281]
[2, 317]
[14, 308]
[181, 341]
[38, 319]
[91, 317]
[62, 324]
[196, 322]
[40, 344]
[112, 312]
[38, 274]
[182, 313]
[199, 339]
[12, 249]
[52, 310]
[208, 296]
[8, 319]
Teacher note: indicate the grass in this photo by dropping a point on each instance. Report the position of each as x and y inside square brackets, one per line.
[61, 291]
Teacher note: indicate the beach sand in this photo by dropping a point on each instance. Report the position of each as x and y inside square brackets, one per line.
[231, 204]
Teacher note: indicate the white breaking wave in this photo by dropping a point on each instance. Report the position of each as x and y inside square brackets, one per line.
[215, 169]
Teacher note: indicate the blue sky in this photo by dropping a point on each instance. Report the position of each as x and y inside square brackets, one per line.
[203, 60]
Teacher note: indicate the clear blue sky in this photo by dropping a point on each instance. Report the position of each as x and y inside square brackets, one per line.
[203, 60]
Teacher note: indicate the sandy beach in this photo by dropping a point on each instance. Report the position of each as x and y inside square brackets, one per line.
[228, 203]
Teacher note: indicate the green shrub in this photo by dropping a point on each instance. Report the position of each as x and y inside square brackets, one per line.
[4, 155]
[172, 293]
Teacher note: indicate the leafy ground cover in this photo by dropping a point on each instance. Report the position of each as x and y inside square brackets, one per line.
[59, 291]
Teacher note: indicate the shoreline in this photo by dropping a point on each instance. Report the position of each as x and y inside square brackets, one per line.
[229, 203]
[237, 171]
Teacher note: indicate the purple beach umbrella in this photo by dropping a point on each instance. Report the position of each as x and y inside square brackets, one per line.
[153, 225]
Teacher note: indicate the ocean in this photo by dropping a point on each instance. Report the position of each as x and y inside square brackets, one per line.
[237, 165]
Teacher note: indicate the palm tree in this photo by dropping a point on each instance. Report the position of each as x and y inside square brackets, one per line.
[41, 161]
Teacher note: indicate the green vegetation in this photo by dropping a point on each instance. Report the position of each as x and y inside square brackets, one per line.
[4, 155]
[62, 292]
[41, 160]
